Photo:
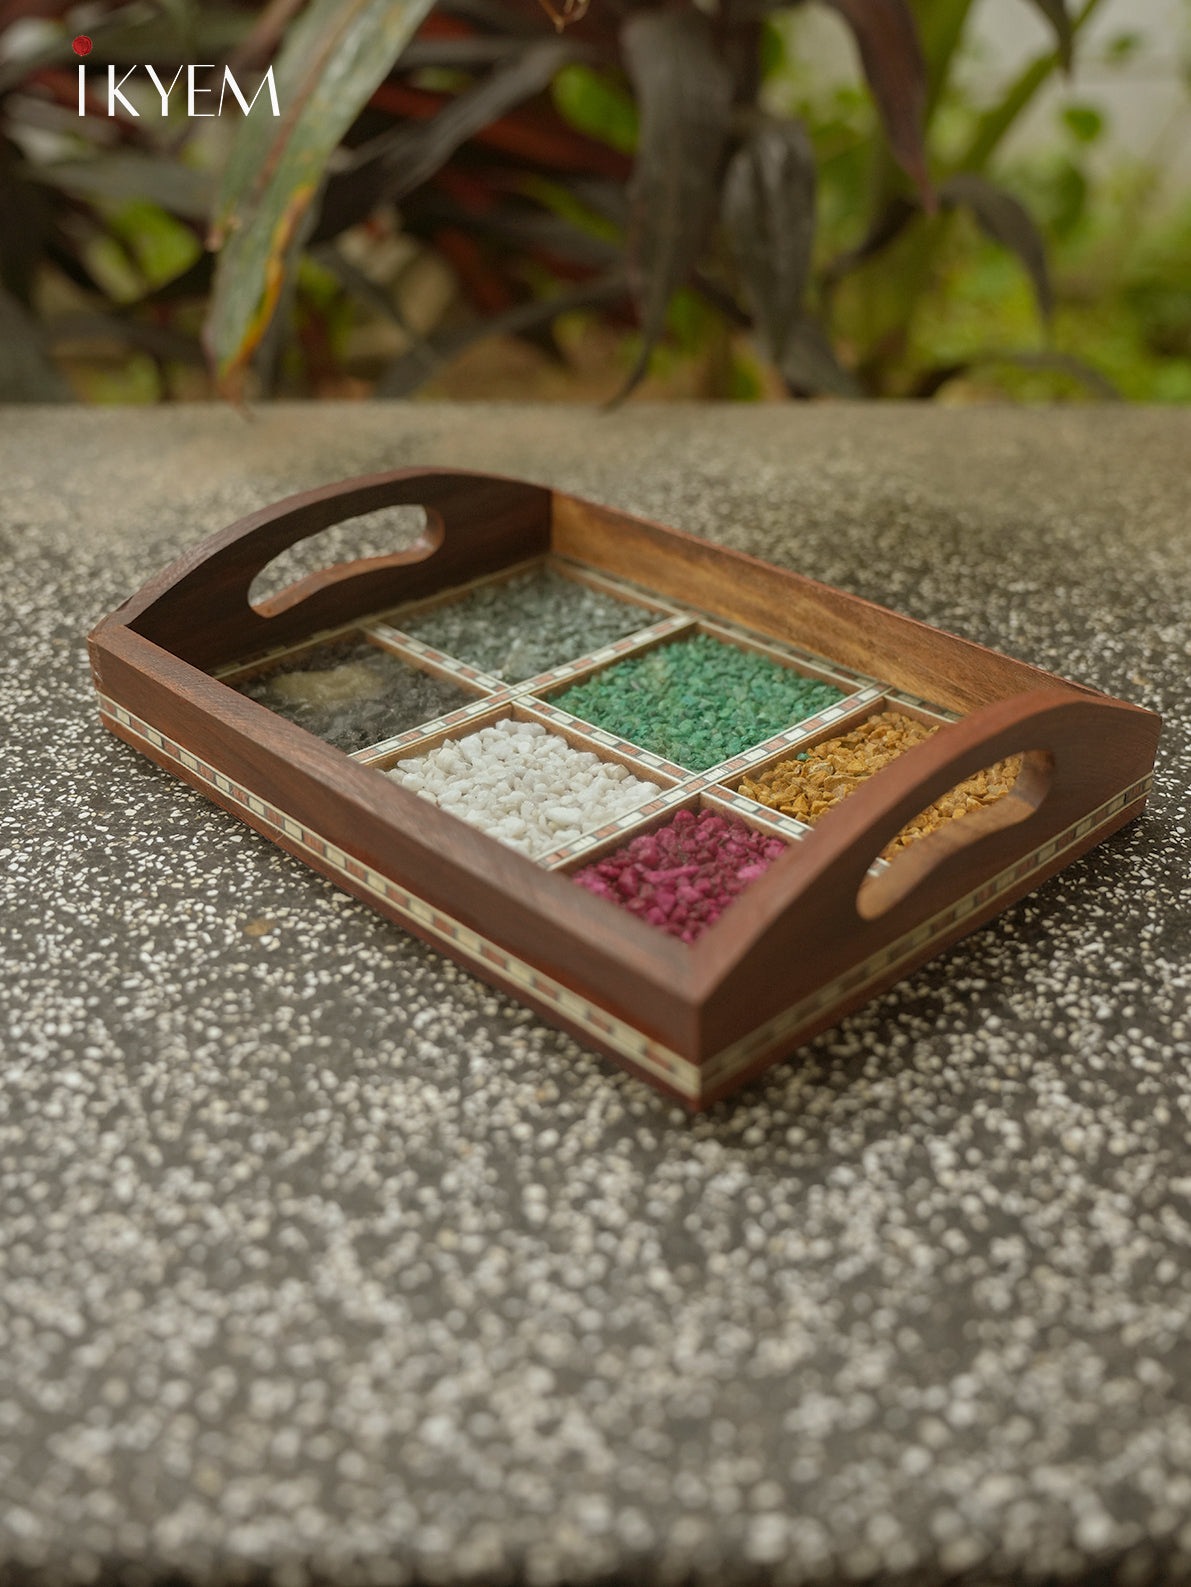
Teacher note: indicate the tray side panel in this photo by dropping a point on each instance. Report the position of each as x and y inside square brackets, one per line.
[198, 609]
[909, 655]
[745, 1060]
[1089, 758]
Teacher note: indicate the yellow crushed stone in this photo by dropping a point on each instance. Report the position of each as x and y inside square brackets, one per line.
[808, 788]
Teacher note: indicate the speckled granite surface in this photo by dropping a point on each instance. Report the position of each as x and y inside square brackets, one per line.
[317, 1257]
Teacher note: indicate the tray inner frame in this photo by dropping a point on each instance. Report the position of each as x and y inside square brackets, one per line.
[664, 620]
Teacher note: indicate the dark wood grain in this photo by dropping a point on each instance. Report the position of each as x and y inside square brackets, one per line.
[784, 943]
[198, 607]
[806, 924]
[898, 650]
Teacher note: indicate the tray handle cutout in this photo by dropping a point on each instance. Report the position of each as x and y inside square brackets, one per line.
[880, 891]
[199, 608]
[817, 918]
[1086, 757]
[327, 554]
[1076, 750]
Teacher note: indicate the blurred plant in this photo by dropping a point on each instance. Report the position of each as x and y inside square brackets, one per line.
[645, 168]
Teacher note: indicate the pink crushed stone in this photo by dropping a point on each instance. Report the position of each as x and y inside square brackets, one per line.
[681, 877]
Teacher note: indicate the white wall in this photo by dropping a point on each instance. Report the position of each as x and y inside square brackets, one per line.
[1146, 100]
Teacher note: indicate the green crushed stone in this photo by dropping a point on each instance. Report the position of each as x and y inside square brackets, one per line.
[522, 626]
[697, 701]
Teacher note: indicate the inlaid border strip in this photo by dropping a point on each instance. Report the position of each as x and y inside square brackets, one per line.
[415, 651]
[795, 735]
[738, 1056]
[622, 826]
[761, 816]
[642, 1050]
[638, 642]
[576, 572]
[688, 1079]
[915, 702]
[564, 720]
[459, 717]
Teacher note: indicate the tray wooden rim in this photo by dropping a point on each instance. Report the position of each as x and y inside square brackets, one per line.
[152, 660]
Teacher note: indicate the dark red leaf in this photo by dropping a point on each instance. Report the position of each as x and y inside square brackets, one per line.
[540, 136]
[482, 284]
[398, 161]
[769, 212]
[892, 59]
[410, 154]
[1007, 221]
[684, 95]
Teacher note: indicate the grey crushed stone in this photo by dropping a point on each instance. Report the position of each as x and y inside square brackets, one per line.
[410, 696]
[522, 626]
[318, 1256]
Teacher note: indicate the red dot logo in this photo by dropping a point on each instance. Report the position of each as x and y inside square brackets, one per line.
[82, 45]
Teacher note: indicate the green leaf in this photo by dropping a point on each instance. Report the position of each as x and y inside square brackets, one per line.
[769, 213]
[162, 246]
[1066, 192]
[1007, 221]
[335, 56]
[1085, 122]
[590, 102]
[125, 174]
[941, 29]
[773, 49]
[1123, 47]
[886, 228]
[996, 122]
[933, 380]
[589, 207]
[684, 97]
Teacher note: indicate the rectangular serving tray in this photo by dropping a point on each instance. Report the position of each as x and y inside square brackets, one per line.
[824, 929]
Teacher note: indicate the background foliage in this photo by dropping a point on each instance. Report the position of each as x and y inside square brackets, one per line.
[461, 200]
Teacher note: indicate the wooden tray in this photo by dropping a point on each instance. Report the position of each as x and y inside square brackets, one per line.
[820, 932]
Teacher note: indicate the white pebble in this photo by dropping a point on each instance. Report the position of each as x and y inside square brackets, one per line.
[524, 785]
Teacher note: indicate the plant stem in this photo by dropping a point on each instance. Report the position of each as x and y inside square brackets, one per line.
[904, 286]
[941, 26]
[995, 123]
